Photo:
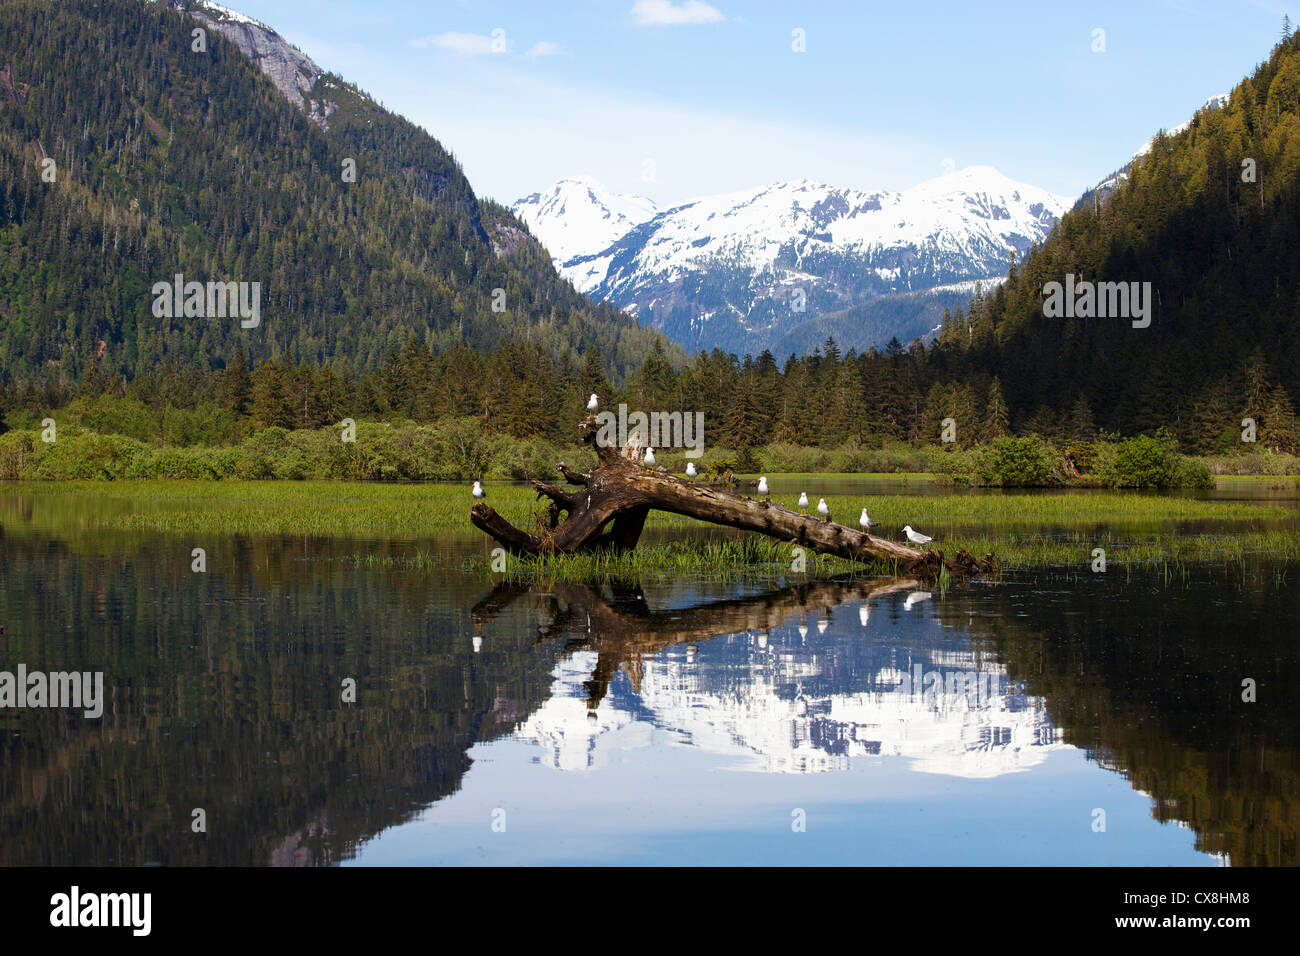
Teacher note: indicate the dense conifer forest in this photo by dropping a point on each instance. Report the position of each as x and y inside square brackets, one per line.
[377, 295]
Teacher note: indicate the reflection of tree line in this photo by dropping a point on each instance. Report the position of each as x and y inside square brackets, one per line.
[224, 694]
[227, 694]
[1148, 681]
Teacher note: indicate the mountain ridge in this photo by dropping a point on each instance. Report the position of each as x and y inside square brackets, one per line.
[739, 270]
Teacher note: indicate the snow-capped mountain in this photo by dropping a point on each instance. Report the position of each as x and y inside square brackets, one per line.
[578, 214]
[739, 270]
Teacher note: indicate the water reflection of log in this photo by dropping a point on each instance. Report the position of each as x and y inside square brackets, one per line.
[618, 624]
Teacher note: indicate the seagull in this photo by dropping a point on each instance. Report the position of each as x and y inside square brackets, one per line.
[864, 613]
[649, 459]
[864, 521]
[822, 625]
[690, 470]
[803, 630]
[762, 485]
[823, 510]
[803, 501]
[592, 403]
[478, 491]
[915, 536]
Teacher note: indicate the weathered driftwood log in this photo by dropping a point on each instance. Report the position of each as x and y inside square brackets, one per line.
[609, 508]
[619, 625]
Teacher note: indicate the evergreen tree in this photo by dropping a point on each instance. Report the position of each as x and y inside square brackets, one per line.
[997, 421]
[592, 378]
[236, 388]
[1081, 427]
[1279, 433]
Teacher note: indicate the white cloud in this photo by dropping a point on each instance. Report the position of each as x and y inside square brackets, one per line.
[544, 48]
[649, 13]
[462, 44]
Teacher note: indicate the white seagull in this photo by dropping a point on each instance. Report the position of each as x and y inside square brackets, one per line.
[864, 614]
[864, 521]
[650, 458]
[822, 625]
[690, 470]
[803, 501]
[915, 536]
[762, 485]
[592, 403]
[823, 510]
[478, 491]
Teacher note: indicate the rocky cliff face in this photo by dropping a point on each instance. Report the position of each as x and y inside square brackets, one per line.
[294, 73]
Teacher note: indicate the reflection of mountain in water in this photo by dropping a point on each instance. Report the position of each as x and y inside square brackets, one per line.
[224, 691]
[785, 704]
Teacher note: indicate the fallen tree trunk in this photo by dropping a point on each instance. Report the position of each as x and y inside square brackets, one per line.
[609, 510]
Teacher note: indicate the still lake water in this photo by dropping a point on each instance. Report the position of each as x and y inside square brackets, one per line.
[850, 722]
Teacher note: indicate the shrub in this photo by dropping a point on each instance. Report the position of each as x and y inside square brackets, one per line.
[85, 456]
[1141, 462]
[959, 467]
[1191, 473]
[17, 449]
[1021, 462]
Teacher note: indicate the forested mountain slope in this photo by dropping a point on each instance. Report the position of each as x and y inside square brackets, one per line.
[170, 160]
[1211, 219]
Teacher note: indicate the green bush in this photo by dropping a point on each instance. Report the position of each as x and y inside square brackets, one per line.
[1141, 462]
[17, 448]
[1191, 473]
[959, 467]
[1021, 462]
[85, 456]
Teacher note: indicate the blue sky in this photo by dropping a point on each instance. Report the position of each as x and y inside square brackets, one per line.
[679, 98]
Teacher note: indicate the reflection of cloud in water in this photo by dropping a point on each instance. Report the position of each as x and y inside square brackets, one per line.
[948, 711]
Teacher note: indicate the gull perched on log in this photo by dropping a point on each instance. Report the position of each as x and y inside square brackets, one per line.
[592, 403]
[822, 510]
[690, 470]
[864, 521]
[762, 485]
[915, 536]
[649, 459]
[803, 501]
[478, 491]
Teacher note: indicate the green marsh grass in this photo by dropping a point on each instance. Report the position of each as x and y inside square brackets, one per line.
[1025, 529]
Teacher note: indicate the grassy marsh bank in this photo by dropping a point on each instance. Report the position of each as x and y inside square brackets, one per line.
[1026, 530]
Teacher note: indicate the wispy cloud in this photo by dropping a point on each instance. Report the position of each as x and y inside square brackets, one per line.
[545, 48]
[651, 13]
[462, 44]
